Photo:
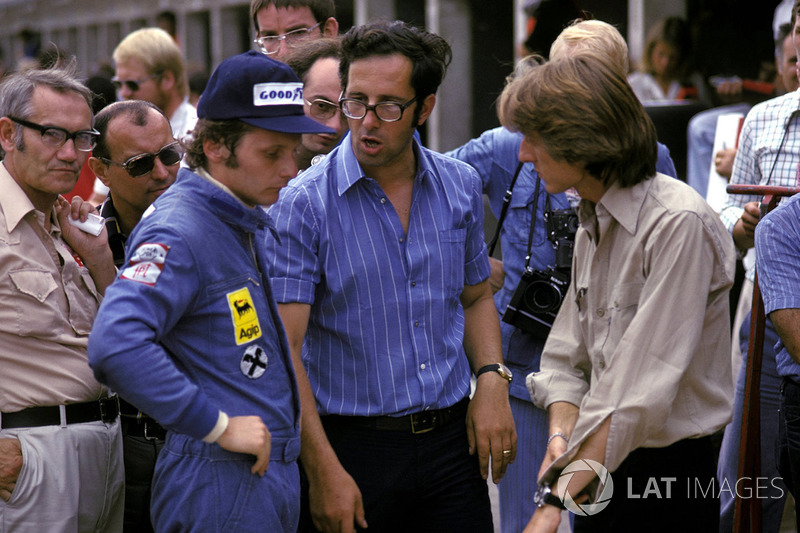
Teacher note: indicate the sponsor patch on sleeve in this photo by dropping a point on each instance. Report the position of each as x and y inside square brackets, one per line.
[245, 318]
[277, 94]
[146, 264]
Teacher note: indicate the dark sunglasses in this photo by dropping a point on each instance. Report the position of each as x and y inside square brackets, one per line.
[142, 164]
[132, 85]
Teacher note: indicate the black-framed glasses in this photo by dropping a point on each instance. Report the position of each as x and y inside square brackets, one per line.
[270, 44]
[386, 111]
[132, 85]
[85, 140]
[322, 108]
[142, 164]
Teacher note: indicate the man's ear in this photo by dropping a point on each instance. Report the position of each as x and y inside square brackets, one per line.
[8, 132]
[100, 170]
[216, 152]
[426, 108]
[330, 28]
[166, 81]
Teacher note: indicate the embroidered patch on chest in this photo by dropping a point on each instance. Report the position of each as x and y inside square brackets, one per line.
[243, 313]
[254, 361]
[146, 264]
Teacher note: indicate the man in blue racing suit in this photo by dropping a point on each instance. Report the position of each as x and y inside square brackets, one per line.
[198, 341]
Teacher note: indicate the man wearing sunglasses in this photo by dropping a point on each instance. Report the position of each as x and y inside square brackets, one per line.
[198, 342]
[281, 25]
[137, 158]
[316, 63]
[61, 467]
[381, 276]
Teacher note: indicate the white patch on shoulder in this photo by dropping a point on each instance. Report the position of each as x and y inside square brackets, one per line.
[149, 211]
[146, 264]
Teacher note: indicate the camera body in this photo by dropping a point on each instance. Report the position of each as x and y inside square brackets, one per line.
[538, 297]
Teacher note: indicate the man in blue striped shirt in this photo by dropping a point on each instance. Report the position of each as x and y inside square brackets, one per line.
[777, 240]
[381, 273]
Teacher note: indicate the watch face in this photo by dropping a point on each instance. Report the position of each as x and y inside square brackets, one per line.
[505, 372]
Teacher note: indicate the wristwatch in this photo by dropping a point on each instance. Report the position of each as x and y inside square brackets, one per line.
[500, 368]
[544, 496]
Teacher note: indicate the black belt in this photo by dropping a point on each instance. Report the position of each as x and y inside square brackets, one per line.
[421, 422]
[106, 410]
[135, 423]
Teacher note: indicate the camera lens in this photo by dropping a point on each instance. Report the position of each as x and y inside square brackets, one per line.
[542, 297]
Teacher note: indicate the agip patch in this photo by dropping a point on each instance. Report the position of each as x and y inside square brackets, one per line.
[245, 318]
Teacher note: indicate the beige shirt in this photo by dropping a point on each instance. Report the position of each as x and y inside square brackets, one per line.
[643, 335]
[48, 302]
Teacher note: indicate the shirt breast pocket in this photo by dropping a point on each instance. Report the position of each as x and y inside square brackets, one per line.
[35, 289]
[624, 304]
[452, 247]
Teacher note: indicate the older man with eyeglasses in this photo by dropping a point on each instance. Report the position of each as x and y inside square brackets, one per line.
[61, 467]
[137, 158]
[281, 25]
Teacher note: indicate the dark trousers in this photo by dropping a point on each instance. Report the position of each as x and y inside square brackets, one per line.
[139, 455]
[644, 498]
[422, 483]
[789, 441]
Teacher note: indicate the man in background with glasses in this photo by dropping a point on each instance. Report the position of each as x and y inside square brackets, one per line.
[281, 25]
[381, 269]
[61, 467]
[137, 158]
[316, 63]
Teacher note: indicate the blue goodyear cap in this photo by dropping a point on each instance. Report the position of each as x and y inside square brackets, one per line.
[259, 91]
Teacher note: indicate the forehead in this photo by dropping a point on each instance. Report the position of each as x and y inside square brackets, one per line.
[275, 20]
[323, 76]
[131, 69]
[125, 138]
[389, 75]
[66, 109]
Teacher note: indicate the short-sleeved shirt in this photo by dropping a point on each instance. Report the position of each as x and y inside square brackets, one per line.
[778, 266]
[385, 333]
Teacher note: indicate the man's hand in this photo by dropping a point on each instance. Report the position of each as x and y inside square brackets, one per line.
[497, 276]
[490, 426]
[723, 162]
[556, 448]
[545, 519]
[93, 251]
[335, 502]
[10, 465]
[248, 434]
[744, 230]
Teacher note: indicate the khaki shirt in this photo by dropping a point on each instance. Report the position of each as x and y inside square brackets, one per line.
[643, 335]
[48, 302]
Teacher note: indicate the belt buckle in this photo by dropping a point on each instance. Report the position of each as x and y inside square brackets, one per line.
[107, 413]
[423, 422]
[147, 436]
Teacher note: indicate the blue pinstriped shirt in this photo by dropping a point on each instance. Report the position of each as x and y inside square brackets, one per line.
[778, 266]
[386, 327]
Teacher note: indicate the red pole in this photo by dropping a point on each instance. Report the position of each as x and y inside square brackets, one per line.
[747, 512]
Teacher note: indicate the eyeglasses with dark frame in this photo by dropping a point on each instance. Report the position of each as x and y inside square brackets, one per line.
[132, 85]
[142, 164]
[386, 111]
[84, 140]
[322, 108]
[270, 44]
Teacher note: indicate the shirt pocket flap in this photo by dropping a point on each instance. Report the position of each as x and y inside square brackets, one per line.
[36, 283]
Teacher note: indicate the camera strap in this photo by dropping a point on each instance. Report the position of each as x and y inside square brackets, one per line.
[504, 210]
[533, 220]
